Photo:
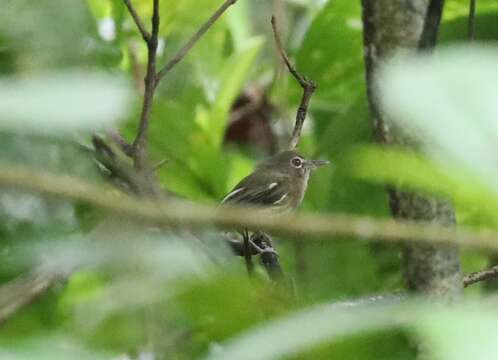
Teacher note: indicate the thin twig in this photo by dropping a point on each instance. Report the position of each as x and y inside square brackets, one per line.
[21, 292]
[247, 254]
[195, 216]
[198, 34]
[471, 31]
[482, 275]
[152, 78]
[160, 164]
[308, 88]
[119, 140]
[140, 25]
[140, 142]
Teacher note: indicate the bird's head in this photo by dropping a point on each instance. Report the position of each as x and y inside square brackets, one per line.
[292, 163]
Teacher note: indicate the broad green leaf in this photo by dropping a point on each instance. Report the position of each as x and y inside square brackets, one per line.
[475, 202]
[238, 22]
[449, 103]
[310, 327]
[332, 55]
[458, 8]
[56, 102]
[48, 33]
[234, 76]
[51, 348]
[460, 333]
[456, 29]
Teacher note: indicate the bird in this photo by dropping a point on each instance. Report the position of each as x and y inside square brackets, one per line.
[278, 184]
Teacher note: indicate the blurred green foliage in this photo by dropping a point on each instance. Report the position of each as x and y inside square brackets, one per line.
[139, 298]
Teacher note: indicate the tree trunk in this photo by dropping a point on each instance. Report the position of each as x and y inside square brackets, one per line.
[410, 25]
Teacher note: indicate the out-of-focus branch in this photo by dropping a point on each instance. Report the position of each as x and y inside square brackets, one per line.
[125, 147]
[190, 44]
[178, 214]
[428, 38]
[471, 31]
[308, 88]
[482, 275]
[22, 291]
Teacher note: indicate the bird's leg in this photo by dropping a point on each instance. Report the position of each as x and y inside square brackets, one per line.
[262, 243]
[269, 256]
[247, 252]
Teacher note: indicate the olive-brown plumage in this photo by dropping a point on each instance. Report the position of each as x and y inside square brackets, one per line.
[279, 183]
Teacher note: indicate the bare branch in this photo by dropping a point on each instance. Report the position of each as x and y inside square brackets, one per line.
[140, 25]
[308, 88]
[152, 78]
[471, 31]
[199, 33]
[140, 142]
[160, 164]
[482, 275]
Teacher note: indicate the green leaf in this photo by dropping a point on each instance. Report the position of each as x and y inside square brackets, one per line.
[308, 328]
[332, 55]
[448, 102]
[51, 348]
[461, 333]
[56, 102]
[44, 40]
[234, 76]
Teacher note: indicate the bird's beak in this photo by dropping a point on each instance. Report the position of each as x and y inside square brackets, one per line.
[313, 164]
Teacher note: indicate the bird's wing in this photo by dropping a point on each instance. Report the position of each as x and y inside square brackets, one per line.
[261, 192]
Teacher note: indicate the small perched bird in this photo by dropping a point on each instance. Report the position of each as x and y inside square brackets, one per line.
[277, 184]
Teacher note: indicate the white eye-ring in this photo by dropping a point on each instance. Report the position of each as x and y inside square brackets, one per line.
[296, 162]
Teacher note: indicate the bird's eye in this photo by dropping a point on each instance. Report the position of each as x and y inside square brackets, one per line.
[296, 162]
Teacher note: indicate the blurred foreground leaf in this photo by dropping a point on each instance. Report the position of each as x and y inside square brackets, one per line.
[449, 104]
[62, 102]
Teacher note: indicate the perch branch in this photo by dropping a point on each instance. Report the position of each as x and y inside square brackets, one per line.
[308, 88]
[482, 275]
[179, 214]
[198, 34]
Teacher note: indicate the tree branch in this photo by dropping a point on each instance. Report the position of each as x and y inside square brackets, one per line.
[389, 26]
[140, 142]
[125, 147]
[482, 275]
[152, 78]
[140, 25]
[308, 88]
[198, 34]
[471, 31]
[428, 38]
[179, 214]
[22, 291]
